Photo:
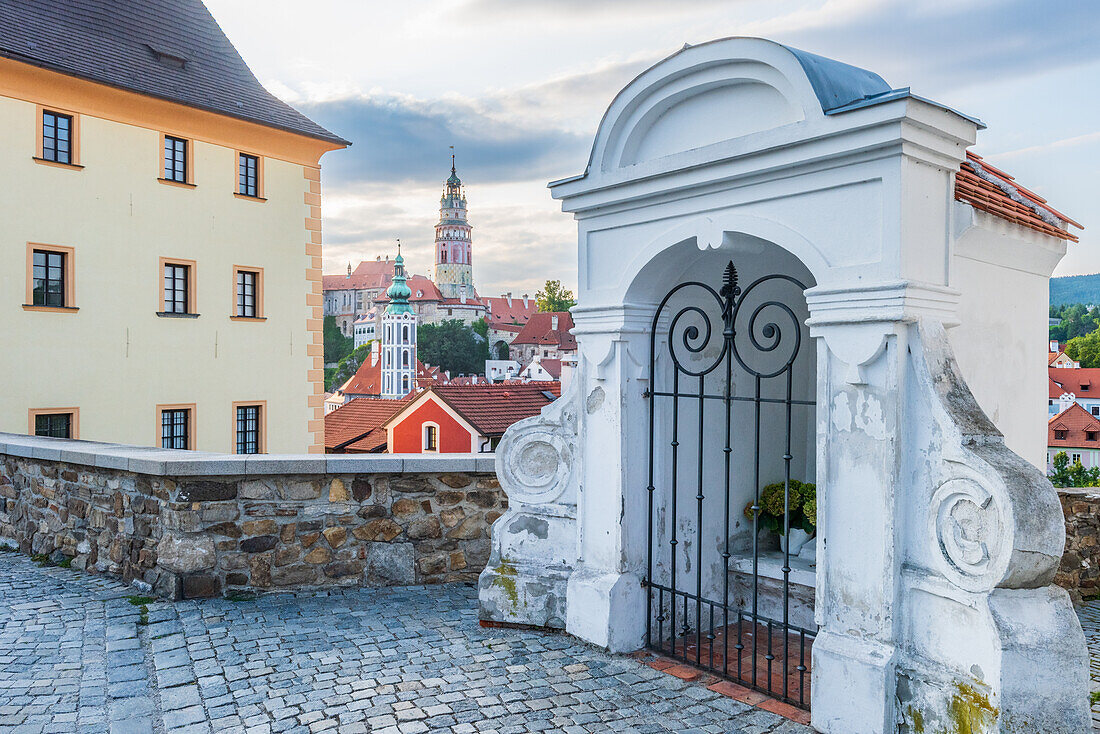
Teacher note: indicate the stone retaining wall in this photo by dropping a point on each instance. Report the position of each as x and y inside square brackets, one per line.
[203, 526]
[1080, 569]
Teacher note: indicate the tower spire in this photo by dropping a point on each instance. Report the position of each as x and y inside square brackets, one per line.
[398, 292]
[453, 172]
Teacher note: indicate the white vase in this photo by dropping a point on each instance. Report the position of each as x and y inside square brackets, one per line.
[809, 551]
[794, 539]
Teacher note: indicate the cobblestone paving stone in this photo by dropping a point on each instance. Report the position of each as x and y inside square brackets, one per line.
[73, 658]
[1090, 621]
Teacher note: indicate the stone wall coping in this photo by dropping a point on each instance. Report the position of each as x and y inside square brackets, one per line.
[1080, 491]
[170, 462]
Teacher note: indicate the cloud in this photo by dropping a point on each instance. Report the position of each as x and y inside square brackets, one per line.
[474, 9]
[944, 44]
[521, 238]
[400, 140]
[1050, 147]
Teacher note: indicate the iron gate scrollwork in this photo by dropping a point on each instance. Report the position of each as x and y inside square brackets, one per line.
[702, 626]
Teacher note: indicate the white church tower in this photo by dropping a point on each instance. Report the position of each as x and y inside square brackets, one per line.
[454, 270]
[398, 336]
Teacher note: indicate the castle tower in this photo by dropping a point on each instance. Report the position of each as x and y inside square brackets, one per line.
[454, 271]
[398, 336]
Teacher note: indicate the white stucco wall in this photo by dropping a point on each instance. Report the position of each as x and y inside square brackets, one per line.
[114, 358]
[1003, 271]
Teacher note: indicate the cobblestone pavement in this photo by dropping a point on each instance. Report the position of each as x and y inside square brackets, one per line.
[74, 657]
[1090, 621]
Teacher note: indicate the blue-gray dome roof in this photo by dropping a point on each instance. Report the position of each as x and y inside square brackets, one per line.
[836, 83]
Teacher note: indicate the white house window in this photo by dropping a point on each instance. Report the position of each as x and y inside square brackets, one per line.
[431, 437]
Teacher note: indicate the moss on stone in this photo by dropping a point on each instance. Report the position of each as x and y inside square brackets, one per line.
[505, 580]
[918, 720]
[970, 711]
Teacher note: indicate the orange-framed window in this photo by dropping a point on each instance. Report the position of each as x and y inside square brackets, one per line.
[177, 291]
[57, 137]
[54, 422]
[248, 293]
[250, 426]
[51, 283]
[250, 176]
[177, 161]
[177, 425]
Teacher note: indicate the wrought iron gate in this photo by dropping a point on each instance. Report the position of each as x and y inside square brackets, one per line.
[684, 620]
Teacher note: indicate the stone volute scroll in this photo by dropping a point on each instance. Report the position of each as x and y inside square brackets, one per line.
[536, 456]
[534, 544]
[995, 518]
[986, 536]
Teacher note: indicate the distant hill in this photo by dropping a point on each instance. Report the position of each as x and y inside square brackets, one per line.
[1075, 289]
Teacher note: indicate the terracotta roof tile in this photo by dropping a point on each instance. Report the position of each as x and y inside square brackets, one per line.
[369, 274]
[539, 330]
[1077, 424]
[995, 192]
[1082, 382]
[359, 421]
[492, 408]
[501, 314]
[367, 380]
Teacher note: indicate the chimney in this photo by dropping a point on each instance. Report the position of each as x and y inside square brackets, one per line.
[374, 351]
[524, 301]
[509, 297]
[553, 323]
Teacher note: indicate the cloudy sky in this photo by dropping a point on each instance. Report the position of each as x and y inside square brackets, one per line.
[519, 86]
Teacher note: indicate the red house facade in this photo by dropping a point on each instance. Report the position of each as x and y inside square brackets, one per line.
[461, 419]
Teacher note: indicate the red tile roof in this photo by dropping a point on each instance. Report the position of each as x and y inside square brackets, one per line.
[500, 313]
[1077, 424]
[367, 380]
[359, 422]
[1054, 390]
[1083, 382]
[468, 380]
[368, 274]
[490, 409]
[993, 191]
[539, 330]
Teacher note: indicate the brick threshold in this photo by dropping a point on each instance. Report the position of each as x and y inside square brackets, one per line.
[493, 624]
[691, 674]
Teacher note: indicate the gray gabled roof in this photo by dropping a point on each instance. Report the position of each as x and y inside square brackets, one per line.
[172, 49]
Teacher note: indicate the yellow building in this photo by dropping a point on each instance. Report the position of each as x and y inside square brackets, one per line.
[160, 234]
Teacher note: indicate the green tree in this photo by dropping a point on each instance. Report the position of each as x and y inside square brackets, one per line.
[1064, 474]
[348, 366]
[1085, 349]
[554, 298]
[337, 346]
[454, 346]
